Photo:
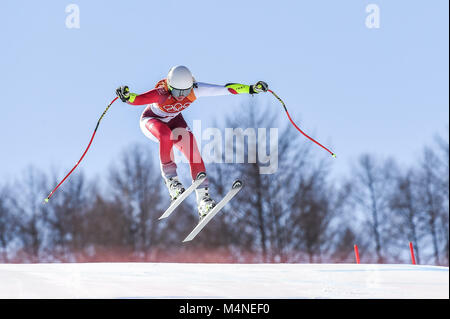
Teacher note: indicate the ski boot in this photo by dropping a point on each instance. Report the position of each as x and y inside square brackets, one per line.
[174, 186]
[204, 202]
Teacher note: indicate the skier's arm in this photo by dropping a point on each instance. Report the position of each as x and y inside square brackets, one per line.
[151, 96]
[206, 89]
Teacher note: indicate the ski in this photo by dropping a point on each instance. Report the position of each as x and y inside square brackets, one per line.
[235, 188]
[198, 180]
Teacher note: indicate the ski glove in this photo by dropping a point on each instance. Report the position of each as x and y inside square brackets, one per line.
[259, 87]
[123, 92]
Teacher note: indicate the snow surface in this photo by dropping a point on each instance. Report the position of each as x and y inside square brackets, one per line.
[240, 281]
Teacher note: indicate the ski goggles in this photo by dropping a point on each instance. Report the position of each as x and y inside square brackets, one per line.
[179, 92]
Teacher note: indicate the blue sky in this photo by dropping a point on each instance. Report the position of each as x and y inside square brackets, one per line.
[354, 89]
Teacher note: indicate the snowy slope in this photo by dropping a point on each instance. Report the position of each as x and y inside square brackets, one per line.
[170, 280]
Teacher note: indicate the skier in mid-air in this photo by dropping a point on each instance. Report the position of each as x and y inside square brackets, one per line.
[162, 116]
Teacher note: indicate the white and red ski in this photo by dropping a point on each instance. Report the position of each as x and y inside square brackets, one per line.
[235, 188]
[198, 180]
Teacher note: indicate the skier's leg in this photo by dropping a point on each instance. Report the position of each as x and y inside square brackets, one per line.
[188, 146]
[186, 143]
[163, 134]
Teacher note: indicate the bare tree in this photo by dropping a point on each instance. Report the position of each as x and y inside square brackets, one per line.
[29, 214]
[433, 201]
[106, 233]
[343, 251]
[67, 217]
[443, 175]
[6, 225]
[373, 185]
[406, 217]
[135, 186]
[315, 206]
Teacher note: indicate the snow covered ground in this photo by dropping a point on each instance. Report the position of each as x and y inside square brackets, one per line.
[240, 281]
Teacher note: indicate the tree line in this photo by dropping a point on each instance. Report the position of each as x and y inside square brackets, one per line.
[297, 214]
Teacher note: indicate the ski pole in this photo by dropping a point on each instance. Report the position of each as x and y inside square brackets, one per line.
[90, 142]
[290, 119]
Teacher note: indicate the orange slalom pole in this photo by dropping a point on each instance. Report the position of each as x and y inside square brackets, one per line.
[356, 253]
[411, 249]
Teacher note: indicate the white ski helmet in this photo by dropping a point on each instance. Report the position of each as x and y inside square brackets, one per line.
[180, 78]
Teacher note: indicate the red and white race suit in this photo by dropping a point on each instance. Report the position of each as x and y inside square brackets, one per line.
[163, 115]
